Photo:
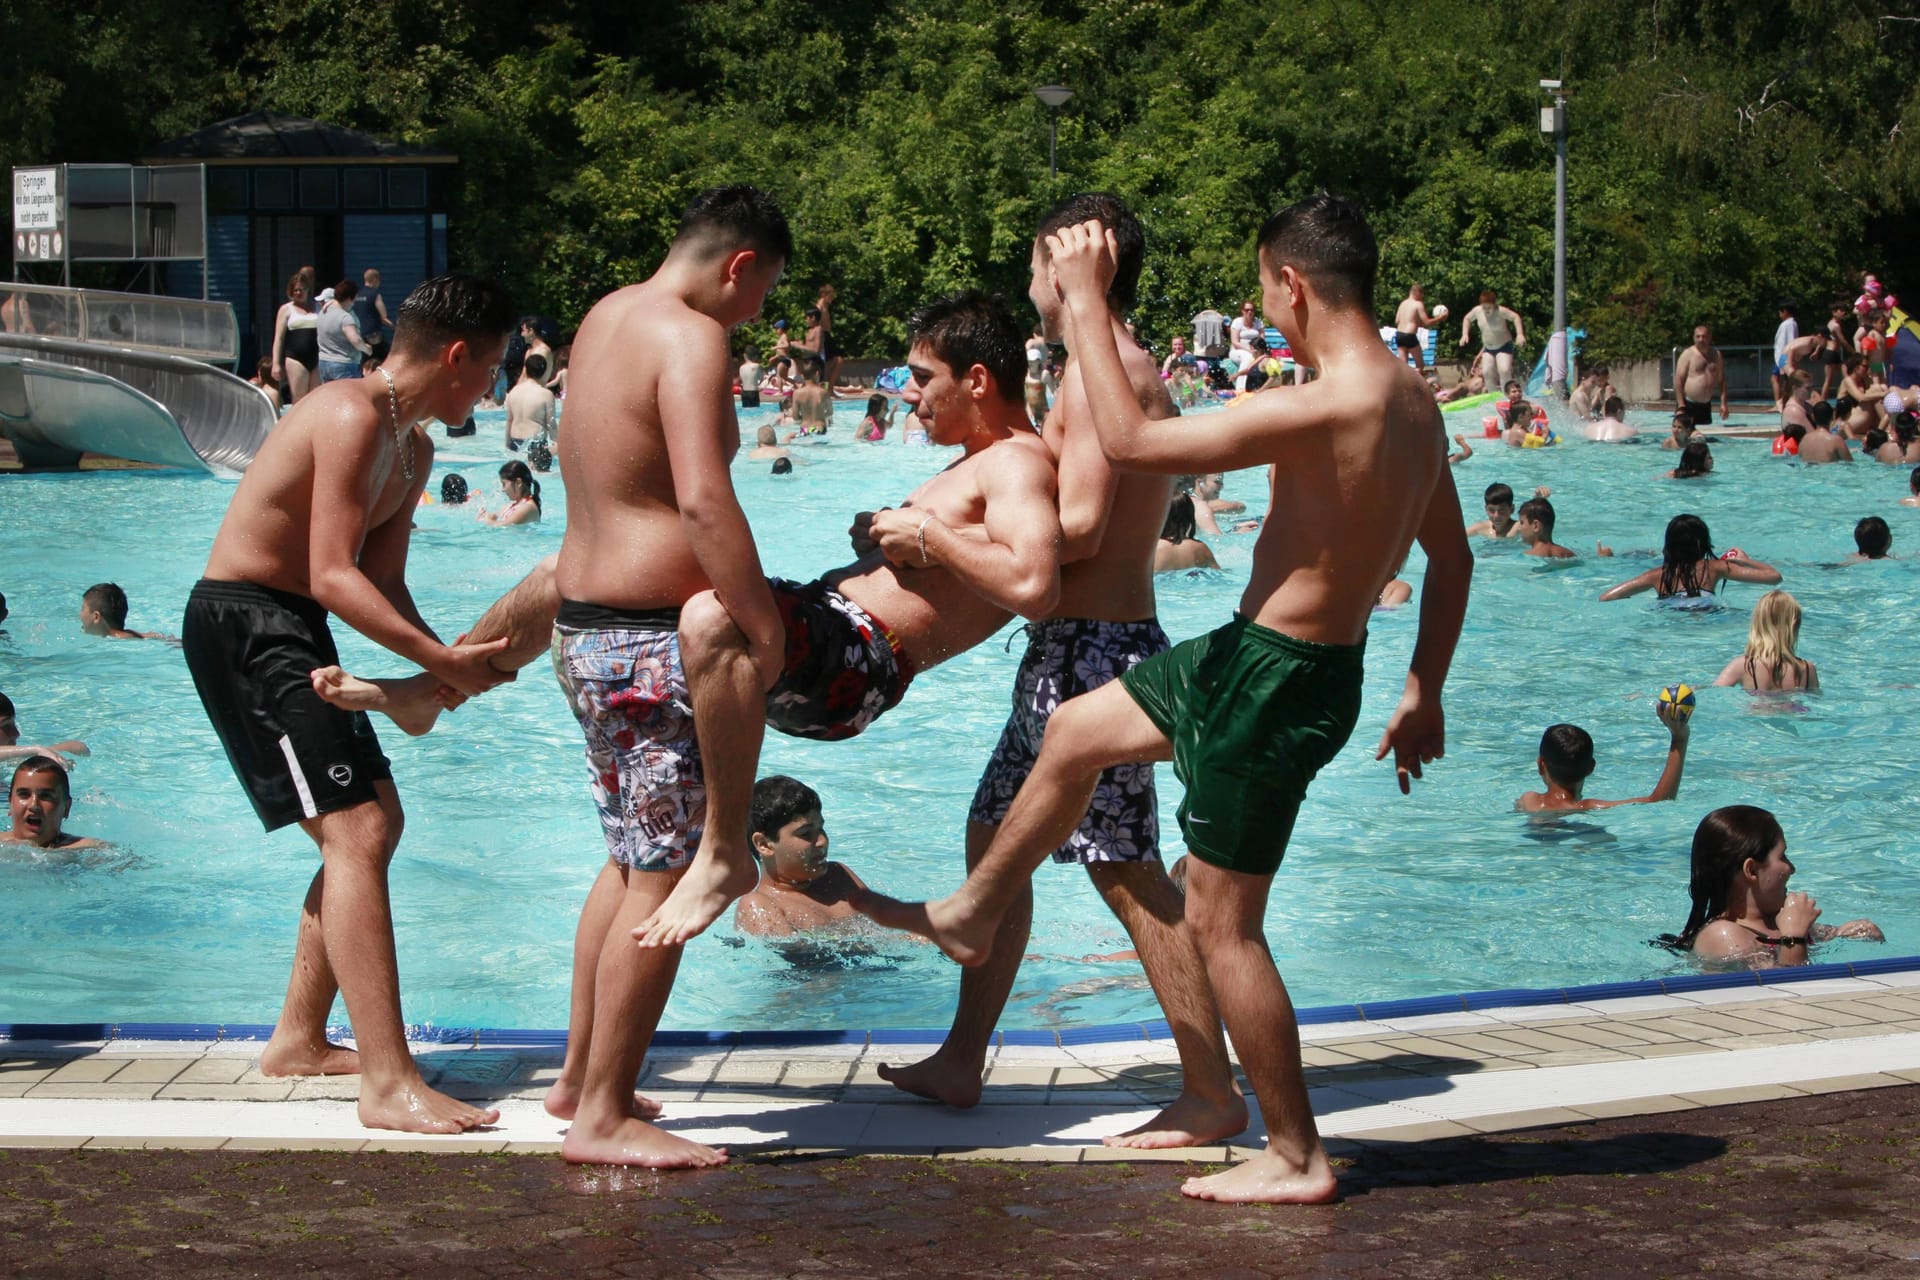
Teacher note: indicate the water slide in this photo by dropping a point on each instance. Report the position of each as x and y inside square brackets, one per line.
[127, 376]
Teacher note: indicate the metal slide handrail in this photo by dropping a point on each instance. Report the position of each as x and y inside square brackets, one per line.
[203, 331]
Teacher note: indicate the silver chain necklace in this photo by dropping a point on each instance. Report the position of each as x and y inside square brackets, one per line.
[393, 406]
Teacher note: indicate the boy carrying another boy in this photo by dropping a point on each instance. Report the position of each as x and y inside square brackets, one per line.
[319, 526]
[1251, 712]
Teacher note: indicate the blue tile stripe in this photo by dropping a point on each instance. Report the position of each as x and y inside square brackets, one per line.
[1115, 1033]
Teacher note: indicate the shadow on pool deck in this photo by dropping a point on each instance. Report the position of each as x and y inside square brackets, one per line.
[1804, 1187]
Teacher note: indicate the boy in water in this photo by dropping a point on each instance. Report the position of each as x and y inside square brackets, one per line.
[1249, 713]
[799, 890]
[1566, 758]
[38, 801]
[318, 526]
[1535, 527]
[1873, 540]
[1499, 522]
[103, 612]
[10, 737]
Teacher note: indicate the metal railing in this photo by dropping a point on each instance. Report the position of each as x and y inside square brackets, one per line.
[204, 331]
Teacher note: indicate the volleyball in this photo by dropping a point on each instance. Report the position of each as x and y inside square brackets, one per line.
[1680, 698]
[1438, 313]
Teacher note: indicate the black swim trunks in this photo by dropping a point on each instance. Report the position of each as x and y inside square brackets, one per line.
[251, 650]
[843, 666]
[1406, 341]
[749, 397]
[1699, 412]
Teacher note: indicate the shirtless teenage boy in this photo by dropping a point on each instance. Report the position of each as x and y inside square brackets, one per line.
[800, 889]
[1566, 759]
[1251, 712]
[318, 526]
[39, 798]
[1698, 375]
[1409, 318]
[1501, 334]
[1102, 625]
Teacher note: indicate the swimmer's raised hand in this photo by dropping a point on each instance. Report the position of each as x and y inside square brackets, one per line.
[1417, 735]
[1081, 262]
[468, 667]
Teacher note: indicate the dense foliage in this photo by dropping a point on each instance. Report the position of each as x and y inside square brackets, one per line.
[1723, 153]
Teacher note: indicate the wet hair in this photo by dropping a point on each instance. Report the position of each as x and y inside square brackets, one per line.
[1873, 537]
[453, 489]
[110, 600]
[449, 309]
[975, 328]
[1180, 523]
[264, 369]
[778, 800]
[1695, 460]
[1567, 752]
[812, 369]
[1773, 635]
[1820, 413]
[764, 436]
[1794, 432]
[1913, 480]
[1687, 543]
[1539, 509]
[517, 470]
[1684, 420]
[535, 367]
[345, 291]
[1875, 438]
[1519, 414]
[1326, 239]
[1906, 427]
[876, 405]
[1128, 237]
[1613, 407]
[783, 466]
[740, 216]
[44, 764]
[1498, 495]
[6, 706]
[1722, 843]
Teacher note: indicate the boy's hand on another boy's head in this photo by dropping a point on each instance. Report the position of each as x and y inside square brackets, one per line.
[1082, 260]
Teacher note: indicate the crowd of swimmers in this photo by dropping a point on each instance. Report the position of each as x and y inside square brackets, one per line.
[674, 652]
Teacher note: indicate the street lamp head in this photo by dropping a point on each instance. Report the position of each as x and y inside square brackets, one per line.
[1053, 95]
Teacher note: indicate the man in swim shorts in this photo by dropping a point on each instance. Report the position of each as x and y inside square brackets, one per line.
[1783, 337]
[1408, 319]
[1102, 626]
[1250, 712]
[1698, 375]
[317, 526]
[1501, 335]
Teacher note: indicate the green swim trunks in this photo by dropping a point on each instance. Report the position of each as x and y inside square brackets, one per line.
[1253, 715]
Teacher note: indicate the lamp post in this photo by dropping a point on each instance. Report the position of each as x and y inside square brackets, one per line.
[1054, 96]
[1553, 123]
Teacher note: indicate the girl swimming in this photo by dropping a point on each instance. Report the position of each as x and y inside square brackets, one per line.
[1770, 662]
[1741, 908]
[1688, 567]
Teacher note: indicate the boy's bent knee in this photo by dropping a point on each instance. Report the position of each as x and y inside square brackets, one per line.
[707, 628]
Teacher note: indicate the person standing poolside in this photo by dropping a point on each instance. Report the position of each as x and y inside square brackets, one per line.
[319, 525]
[1783, 337]
[1501, 335]
[370, 314]
[1408, 320]
[341, 344]
[1700, 373]
[1250, 713]
[1102, 625]
[296, 348]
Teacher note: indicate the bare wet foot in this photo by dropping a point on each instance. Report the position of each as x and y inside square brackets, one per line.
[410, 703]
[636, 1142]
[1268, 1179]
[414, 1108]
[939, 1078]
[711, 884]
[966, 939]
[285, 1058]
[563, 1102]
[1188, 1122]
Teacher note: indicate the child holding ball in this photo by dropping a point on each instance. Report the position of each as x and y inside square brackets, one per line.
[1566, 758]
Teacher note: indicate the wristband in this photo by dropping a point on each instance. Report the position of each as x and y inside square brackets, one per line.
[921, 534]
[1785, 940]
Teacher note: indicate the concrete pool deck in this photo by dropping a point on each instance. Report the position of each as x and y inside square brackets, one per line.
[1396, 1079]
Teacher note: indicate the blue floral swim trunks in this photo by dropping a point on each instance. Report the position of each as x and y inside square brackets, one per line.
[1067, 657]
[629, 692]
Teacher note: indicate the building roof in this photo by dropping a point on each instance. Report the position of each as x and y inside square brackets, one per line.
[267, 136]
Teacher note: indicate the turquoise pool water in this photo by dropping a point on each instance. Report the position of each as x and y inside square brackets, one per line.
[192, 917]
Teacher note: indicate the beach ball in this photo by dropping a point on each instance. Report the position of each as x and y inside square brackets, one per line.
[1680, 698]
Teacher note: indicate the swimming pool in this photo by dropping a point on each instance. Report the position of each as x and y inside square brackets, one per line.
[1448, 890]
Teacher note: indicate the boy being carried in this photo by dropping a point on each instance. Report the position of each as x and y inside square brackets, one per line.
[1251, 712]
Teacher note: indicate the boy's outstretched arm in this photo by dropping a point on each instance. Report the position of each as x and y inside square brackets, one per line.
[1669, 785]
[1417, 732]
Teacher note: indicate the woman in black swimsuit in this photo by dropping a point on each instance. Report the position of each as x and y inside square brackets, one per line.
[296, 342]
